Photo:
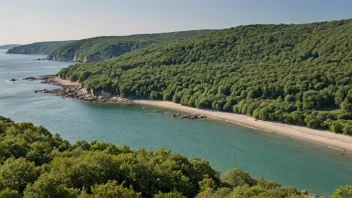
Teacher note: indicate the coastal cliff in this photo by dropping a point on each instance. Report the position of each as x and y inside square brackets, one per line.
[79, 58]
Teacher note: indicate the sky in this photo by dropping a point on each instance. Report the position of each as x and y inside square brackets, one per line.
[28, 21]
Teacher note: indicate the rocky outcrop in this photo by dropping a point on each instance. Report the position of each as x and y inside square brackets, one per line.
[77, 92]
[192, 117]
[31, 78]
[59, 58]
[78, 58]
[310, 195]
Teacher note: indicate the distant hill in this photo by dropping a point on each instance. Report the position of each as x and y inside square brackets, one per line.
[99, 48]
[44, 48]
[9, 46]
[297, 74]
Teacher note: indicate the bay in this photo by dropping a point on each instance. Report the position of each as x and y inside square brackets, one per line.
[289, 161]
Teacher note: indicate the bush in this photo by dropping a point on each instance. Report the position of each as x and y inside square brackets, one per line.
[343, 192]
[347, 130]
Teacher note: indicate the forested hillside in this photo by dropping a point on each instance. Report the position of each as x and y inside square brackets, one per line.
[99, 48]
[9, 46]
[37, 48]
[36, 163]
[296, 74]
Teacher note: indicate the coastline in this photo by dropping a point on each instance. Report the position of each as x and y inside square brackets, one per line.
[324, 138]
[341, 142]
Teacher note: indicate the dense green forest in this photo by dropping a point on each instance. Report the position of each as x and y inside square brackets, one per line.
[36, 163]
[9, 46]
[99, 48]
[37, 48]
[296, 74]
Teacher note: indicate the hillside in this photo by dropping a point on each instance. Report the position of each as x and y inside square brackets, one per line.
[37, 48]
[9, 46]
[296, 74]
[36, 163]
[99, 48]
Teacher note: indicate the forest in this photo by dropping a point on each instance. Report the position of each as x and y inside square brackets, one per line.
[36, 163]
[105, 47]
[43, 48]
[295, 74]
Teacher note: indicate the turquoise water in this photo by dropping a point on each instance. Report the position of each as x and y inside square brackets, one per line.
[288, 161]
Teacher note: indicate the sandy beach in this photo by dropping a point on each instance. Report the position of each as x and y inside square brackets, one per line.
[332, 140]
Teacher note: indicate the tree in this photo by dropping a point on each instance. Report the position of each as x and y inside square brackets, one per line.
[17, 173]
[346, 105]
[173, 194]
[9, 193]
[49, 186]
[314, 123]
[237, 177]
[336, 127]
[154, 95]
[111, 190]
[343, 192]
[311, 100]
[347, 130]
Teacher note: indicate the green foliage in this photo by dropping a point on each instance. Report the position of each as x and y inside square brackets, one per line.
[99, 48]
[237, 177]
[37, 48]
[99, 169]
[343, 192]
[48, 186]
[297, 74]
[112, 190]
[173, 194]
[17, 173]
[9, 193]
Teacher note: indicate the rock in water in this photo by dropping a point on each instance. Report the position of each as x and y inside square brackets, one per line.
[304, 192]
[31, 78]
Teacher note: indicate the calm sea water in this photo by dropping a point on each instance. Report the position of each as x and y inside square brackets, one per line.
[288, 161]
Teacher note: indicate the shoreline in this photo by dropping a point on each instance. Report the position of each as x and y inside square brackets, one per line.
[323, 138]
[332, 140]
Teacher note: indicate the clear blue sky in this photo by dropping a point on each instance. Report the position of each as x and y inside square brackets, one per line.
[26, 21]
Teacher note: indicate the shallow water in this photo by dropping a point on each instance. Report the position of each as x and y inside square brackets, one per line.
[289, 161]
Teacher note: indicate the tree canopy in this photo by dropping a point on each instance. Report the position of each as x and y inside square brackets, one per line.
[99, 169]
[37, 48]
[105, 47]
[296, 74]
